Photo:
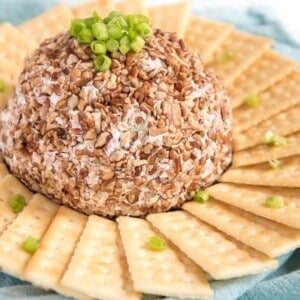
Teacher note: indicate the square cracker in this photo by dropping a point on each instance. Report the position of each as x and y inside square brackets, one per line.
[132, 7]
[288, 175]
[219, 255]
[32, 221]
[171, 17]
[47, 25]
[265, 236]
[245, 48]
[85, 10]
[252, 199]
[270, 68]
[158, 272]
[277, 98]
[47, 265]
[10, 186]
[284, 123]
[14, 47]
[96, 266]
[206, 36]
[263, 153]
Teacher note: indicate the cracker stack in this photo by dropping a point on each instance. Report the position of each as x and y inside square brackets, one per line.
[232, 235]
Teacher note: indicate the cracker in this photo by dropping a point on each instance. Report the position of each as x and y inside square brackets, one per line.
[3, 170]
[261, 234]
[32, 221]
[279, 97]
[14, 47]
[218, 254]
[49, 262]
[252, 199]
[270, 68]
[10, 186]
[158, 272]
[288, 175]
[245, 50]
[132, 7]
[96, 267]
[206, 36]
[48, 24]
[85, 10]
[284, 123]
[263, 153]
[171, 17]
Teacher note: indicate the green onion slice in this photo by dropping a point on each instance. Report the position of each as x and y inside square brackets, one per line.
[85, 36]
[31, 244]
[98, 47]
[89, 22]
[272, 139]
[157, 243]
[274, 202]
[274, 163]
[100, 31]
[112, 45]
[76, 27]
[252, 100]
[226, 57]
[17, 203]
[2, 86]
[137, 44]
[201, 196]
[102, 63]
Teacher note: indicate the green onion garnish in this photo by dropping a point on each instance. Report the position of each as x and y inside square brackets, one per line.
[137, 44]
[274, 163]
[115, 33]
[100, 31]
[157, 243]
[252, 100]
[102, 63]
[98, 47]
[2, 86]
[201, 196]
[31, 244]
[226, 57]
[85, 36]
[112, 45]
[274, 202]
[272, 139]
[17, 203]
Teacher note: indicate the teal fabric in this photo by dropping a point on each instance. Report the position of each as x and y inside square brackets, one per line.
[283, 283]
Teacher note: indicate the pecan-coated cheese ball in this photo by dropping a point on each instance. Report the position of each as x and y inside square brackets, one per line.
[137, 139]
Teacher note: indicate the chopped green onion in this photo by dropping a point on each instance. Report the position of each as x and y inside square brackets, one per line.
[272, 139]
[112, 45]
[17, 203]
[137, 44]
[100, 31]
[114, 30]
[124, 49]
[274, 163]
[252, 100]
[143, 29]
[201, 196]
[85, 36]
[98, 47]
[226, 57]
[274, 202]
[142, 19]
[31, 244]
[111, 15]
[76, 27]
[132, 20]
[157, 243]
[102, 63]
[89, 22]
[2, 86]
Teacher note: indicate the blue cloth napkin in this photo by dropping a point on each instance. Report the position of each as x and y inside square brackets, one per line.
[283, 283]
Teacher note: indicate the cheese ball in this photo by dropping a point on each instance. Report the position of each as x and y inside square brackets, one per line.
[137, 139]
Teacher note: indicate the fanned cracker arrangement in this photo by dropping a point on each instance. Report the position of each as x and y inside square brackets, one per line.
[234, 234]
